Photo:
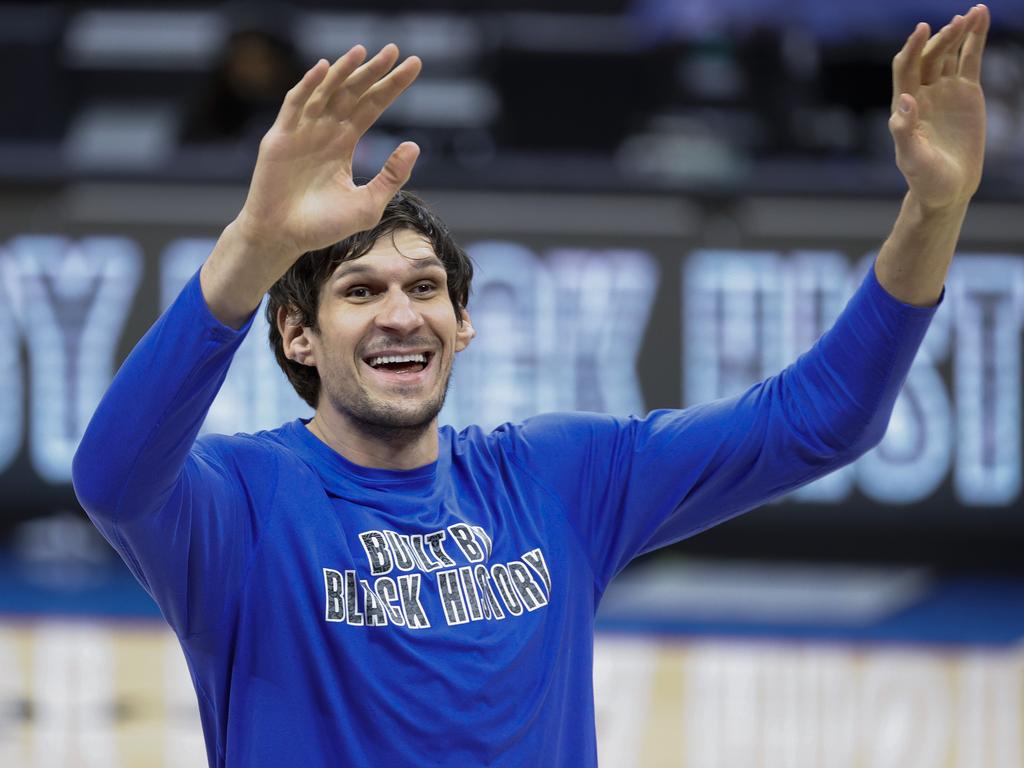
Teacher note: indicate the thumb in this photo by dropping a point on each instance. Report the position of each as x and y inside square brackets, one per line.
[902, 126]
[395, 173]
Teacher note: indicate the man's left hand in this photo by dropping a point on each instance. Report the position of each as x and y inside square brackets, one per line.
[938, 110]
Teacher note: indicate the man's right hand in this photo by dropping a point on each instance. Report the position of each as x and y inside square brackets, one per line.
[302, 195]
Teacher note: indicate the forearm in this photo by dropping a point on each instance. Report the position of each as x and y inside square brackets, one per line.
[914, 260]
[850, 380]
[239, 271]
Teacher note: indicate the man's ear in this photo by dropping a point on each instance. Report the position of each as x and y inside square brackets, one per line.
[295, 338]
[465, 332]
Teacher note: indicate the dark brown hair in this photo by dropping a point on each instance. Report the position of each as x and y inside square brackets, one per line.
[298, 290]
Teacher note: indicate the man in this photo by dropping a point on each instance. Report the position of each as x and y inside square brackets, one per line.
[368, 589]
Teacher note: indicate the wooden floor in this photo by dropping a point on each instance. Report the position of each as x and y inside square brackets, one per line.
[110, 695]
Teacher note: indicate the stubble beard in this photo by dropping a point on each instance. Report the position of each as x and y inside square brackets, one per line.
[384, 419]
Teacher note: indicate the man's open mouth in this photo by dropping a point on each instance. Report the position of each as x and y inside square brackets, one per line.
[413, 362]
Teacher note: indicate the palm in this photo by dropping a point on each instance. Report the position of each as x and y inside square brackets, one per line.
[949, 141]
[309, 187]
[302, 192]
[940, 140]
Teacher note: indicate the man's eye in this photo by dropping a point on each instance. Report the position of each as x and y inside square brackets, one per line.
[359, 292]
[424, 288]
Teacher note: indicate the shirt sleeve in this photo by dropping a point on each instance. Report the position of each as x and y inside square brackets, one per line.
[172, 507]
[629, 486]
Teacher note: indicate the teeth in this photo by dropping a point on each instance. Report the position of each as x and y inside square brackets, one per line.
[417, 358]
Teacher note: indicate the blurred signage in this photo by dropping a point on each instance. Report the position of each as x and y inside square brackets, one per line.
[748, 314]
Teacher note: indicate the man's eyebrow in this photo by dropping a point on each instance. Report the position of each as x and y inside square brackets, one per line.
[427, 262]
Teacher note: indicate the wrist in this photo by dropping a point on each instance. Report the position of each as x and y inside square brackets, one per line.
[256, 240]
[925, 211]
[242, 267]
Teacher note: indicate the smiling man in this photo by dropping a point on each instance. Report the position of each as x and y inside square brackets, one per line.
[368, 588]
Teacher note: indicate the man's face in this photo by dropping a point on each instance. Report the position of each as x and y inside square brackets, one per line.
[388, 335]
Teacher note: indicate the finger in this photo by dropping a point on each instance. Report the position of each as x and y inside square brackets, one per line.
[344, 97]
[395, 173]
[380, 95]
[974, 44]
[939, 46]
[958, 34]
[946, 42]
[339, 71]
[906, 65]
[298, 94]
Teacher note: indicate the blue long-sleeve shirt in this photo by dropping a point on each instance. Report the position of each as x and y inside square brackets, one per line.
[333, 614]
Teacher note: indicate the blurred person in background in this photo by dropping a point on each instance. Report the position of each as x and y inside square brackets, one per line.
[368, 588]
[254, 72]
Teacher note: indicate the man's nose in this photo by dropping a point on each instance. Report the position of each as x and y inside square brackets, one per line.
[398, 313]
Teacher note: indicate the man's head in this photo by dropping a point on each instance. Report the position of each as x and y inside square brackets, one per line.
[340, 315]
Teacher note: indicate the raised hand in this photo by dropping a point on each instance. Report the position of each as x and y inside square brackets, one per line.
[302, 195]
[938, 110]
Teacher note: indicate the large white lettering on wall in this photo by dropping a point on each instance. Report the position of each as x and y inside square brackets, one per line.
[987, 298]
[70, 300]
[11, 375]
[603, 300]
[746, 315]
[558, 333]
[559, 328]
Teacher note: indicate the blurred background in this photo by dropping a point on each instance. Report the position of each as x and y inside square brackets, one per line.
[666, 200]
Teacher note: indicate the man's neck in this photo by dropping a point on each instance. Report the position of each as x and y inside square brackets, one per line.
[381, 448]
